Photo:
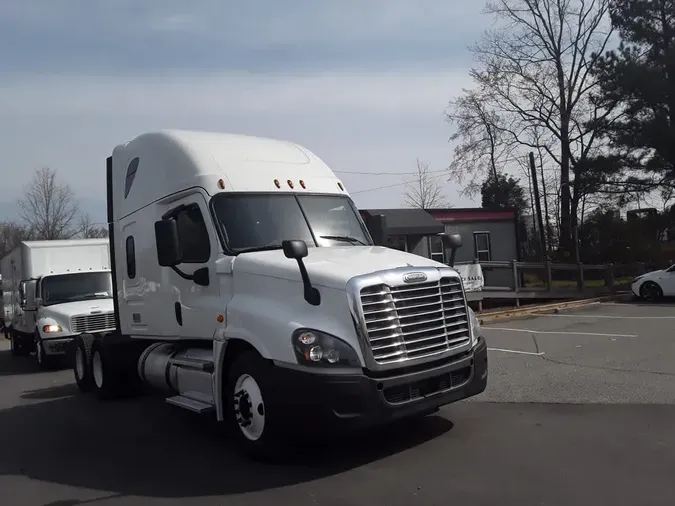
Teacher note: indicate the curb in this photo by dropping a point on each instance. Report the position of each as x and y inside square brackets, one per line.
[548, 308]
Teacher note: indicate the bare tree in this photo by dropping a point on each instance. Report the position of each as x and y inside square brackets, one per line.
[482, 148]
[87, 229]
[11, 234]
[534, 73]
[425, 191]
[49, 208]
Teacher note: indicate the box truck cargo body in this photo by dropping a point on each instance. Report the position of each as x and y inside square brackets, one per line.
[54, 290]
[247, 285]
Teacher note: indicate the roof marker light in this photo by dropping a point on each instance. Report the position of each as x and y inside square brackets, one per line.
[340, 186]
[302, 183]
[221, 184]
[277, 183]
[290, 184]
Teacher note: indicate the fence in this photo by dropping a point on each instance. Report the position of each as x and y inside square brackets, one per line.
[548, 280]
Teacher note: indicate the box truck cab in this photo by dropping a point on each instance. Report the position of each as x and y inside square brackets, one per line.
[53, 291]
[248, 286]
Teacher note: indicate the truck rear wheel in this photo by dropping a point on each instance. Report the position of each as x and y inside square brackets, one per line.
[82, 368]
[251, 417]
[19, 348]
[113, 370]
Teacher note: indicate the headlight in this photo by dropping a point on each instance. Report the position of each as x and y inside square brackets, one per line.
[475, 326]
[315, 348]
[635, 280]
[50, 329]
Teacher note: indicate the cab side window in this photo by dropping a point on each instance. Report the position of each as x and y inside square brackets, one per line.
[193, 235]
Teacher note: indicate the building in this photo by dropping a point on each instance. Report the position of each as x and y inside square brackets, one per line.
[488, 235]
[408, 229]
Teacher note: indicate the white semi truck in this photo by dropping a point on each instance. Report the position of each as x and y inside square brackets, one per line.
[247, 286]
[54, 290]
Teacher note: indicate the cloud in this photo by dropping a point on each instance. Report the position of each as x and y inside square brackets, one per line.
[364, 84]
[360, 122]
[259, 35]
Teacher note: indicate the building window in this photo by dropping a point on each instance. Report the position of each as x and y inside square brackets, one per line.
[436, 249]
[131, 257]
[398, 242]
[481, 246]
[193, 235]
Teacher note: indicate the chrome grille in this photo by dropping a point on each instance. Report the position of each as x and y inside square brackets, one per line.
[92, 322]
[415, 321]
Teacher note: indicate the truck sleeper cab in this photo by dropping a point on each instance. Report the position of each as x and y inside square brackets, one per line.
[248, 286]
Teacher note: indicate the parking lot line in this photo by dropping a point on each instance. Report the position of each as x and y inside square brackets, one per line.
[517, 351]
[611, 316]
[565, 332]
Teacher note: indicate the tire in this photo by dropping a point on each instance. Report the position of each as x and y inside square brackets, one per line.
[113, 372]
[251, 418]
[651, 291]
[82, 369]
[44, 361]
[18, 345]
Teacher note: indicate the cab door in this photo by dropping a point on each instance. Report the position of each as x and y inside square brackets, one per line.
[195, 308]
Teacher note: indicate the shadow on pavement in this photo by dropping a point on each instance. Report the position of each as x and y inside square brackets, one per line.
[15, 366]
[668, 302]
[145, 447]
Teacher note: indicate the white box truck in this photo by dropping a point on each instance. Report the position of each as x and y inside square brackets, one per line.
[248, 286]
[53, 291]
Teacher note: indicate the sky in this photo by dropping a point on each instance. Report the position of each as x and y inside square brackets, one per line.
[363, 84]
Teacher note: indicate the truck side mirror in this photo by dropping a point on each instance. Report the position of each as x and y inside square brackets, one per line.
[294, 249]
[378, 229]
[297, 250]
[169, 252]
[453, 243]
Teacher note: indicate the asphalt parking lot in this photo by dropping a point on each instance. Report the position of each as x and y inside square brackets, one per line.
[580, 410]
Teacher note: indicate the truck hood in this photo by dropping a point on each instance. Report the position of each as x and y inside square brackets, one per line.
[69, 309]
[329, 267]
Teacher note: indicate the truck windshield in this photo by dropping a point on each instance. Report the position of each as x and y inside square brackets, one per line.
[261, 221]
[74, 287]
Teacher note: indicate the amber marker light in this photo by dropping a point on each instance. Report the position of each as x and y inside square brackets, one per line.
[221, 184]
[340, 186]
[220, 318]
[302, 183]
[277, 183]
[290, 184]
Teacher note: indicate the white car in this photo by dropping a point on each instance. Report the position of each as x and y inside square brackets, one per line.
[655, 285]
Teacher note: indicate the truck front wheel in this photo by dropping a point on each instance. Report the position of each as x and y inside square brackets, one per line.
[44, 361]
[251, 416]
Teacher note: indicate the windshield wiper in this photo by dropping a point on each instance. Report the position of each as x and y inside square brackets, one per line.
[259, 248]
[343, 238]
[85, 296]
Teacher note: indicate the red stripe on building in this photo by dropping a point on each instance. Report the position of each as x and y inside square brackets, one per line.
[472, 215]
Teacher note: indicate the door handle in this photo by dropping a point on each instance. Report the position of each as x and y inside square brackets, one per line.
[178, 308]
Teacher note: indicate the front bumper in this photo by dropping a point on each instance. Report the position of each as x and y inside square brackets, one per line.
[363, 400]
[57, 345]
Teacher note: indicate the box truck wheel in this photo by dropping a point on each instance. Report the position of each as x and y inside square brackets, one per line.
[18, 344]
[251, 417]
[82, 368]
[43, 360]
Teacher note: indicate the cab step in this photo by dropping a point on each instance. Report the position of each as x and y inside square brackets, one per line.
[193, 363]
[190, 404]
